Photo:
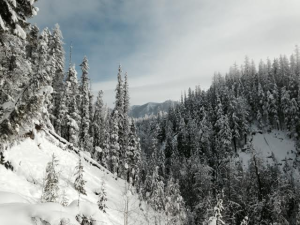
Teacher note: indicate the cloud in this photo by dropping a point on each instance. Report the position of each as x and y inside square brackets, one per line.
[169, 45]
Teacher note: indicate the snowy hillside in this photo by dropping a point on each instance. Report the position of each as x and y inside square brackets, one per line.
[150, 108]
[21, 189]
[269, 146]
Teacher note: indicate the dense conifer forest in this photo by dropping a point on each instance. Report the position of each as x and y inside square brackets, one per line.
[187, 164]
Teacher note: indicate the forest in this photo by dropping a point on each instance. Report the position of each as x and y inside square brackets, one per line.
[186, 164]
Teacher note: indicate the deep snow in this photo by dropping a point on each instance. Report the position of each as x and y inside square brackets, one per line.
[21, 189]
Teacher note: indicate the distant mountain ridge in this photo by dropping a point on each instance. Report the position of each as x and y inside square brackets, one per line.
[150, 108]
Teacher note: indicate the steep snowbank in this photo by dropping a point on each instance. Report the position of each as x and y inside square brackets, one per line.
[21, 189]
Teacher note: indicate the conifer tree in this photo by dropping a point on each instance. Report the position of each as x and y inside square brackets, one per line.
[84, 135]
[223, 133]
[24, 88]
[43, 73]
[79, 181]
[102, 198]
[72, 117]
[58, 60]
[133, 155]
[119, 110]
[114, 144]
[156, 196]
[14, 15]
[51, 189]
[65, 200]
[174, 206]
[98, 122]
[126, 127]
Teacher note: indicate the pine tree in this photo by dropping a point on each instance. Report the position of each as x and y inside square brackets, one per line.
[72, 117]
[102, 198]
[114, 144]
[119, 111]
[84, 135]
[79, 181]
[223, 136]
[25, 87]
[174, 206]
[65, 200]
[98, 123]
[43, 73]
[58, 60]
[51, 189]
[126, 127]
[157, 195]
[133, 155]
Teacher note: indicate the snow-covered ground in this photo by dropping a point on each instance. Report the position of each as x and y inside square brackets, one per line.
[266, 145]
[21, 189]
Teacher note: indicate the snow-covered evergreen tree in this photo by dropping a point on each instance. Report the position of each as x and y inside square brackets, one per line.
[174, 206]
[223, 134]
[156, 196]
[98, 122]
[79, 182]
[72, 116]
[14, 15]
[51, 188]
[64, 201]
[126, 127]
[58, 61]
[133, 155]
[84, 134]
[102, 198]
[114, 144]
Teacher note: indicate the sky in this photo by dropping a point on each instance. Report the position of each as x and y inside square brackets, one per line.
[167, 46]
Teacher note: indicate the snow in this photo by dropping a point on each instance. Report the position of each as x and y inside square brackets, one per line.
[20, 32]
[35, 11]
[21, 189]
[13, 2]
[265, 144]
[2, 25]
[53, 213]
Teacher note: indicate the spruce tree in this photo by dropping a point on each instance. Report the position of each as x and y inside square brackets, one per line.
[156, 197]
[114, 144]
[102, 198]
[58, 54]
[174, 206]
[98, 124]
[79, 181]
[14, 15]
[84, 135]
[133, 155]
[51, 188]
[126, 126]
[70, 130]
[119, 111]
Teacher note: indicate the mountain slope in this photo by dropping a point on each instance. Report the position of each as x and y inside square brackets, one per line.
[275, 145]
[23, 187]
[150, 108]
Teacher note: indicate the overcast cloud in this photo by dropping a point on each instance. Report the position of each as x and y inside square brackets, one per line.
[167, 46]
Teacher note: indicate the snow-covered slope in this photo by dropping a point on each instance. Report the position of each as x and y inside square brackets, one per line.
[21, 189]
[267, 146]
[150, 108]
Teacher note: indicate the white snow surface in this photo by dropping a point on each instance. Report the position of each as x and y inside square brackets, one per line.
[276, 142]
[21, 189]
